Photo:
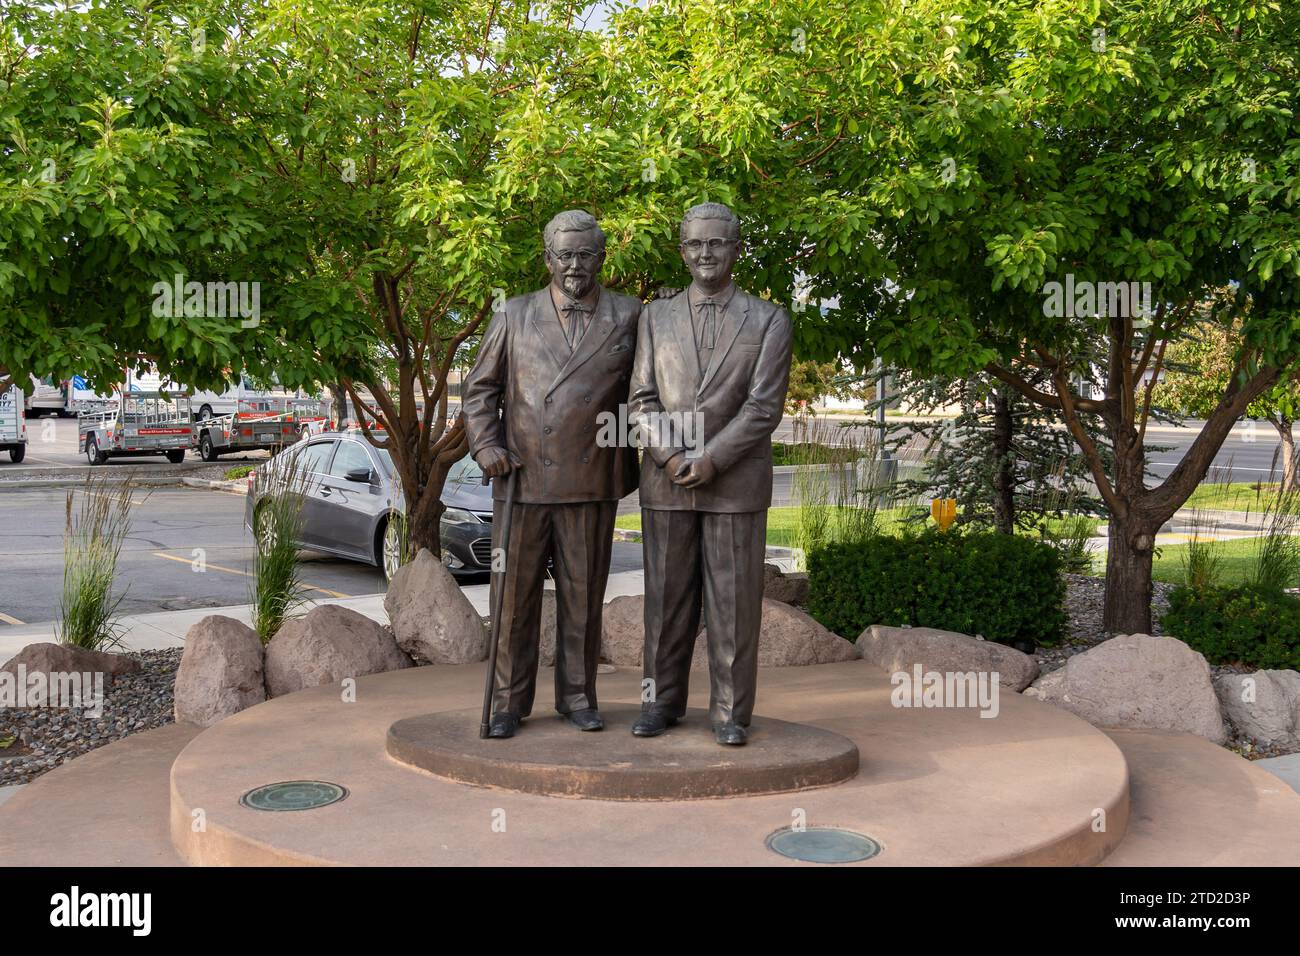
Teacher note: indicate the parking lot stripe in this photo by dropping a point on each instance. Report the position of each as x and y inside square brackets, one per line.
[8, 619]
[218, 567]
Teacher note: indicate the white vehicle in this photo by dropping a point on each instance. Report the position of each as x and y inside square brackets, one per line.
[211, 404]
[46, 395]
[13, 424]
[137, 423]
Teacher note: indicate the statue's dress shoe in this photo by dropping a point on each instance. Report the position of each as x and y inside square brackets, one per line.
[503, 725]
[588, 719]
[730, 733]
[652, 723]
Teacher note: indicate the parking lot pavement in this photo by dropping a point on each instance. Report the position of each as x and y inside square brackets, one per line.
[187, 549]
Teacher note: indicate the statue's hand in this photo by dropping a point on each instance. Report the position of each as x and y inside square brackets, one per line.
[698, 472]
[495, 461]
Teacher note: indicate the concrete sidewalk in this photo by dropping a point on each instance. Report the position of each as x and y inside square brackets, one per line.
[164, 629]
[168, 628]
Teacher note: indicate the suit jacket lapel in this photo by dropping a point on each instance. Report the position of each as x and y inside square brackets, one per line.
[679, 313]
[732, 322]
[541, 313]
[598, 330]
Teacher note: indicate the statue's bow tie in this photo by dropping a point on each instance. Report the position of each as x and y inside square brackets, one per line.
[570, 307]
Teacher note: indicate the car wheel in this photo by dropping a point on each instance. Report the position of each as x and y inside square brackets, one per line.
[93, 454]
[206, 451]
[391, 549]
[17, 453]
[205, 412]
[176, 457]
[264, 530]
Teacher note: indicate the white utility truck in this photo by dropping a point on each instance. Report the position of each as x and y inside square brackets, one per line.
[13, 423]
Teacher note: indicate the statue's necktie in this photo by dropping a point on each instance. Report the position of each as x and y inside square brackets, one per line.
[708, 323]
[575, 321]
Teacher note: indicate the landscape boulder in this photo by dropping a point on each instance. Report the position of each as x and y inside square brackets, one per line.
[788, 587]
[431, 618]
[1264, 705]
[51, 660]
[901, 648]
[787, 637]
[1138, 681]
[325, 646]
[220, 672]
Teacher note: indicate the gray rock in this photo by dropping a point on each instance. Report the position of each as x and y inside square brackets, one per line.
[55, 659]
[430, 615]
[787, 638]
[786, 587]
[622, 631]
[220, 672]
[327, 645]
[902, 648]
[1139, 681]
[1264, 705]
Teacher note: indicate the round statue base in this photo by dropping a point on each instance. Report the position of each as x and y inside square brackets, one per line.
[549, 756]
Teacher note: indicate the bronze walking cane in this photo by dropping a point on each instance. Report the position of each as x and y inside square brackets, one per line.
[497, 601]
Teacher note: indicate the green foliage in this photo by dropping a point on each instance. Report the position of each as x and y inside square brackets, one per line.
[1245, 626]
[92, 541]
[1277, 550]
[1004, 587]
[1202, 557]
[997, 440]
[277, 590]
[239, 471]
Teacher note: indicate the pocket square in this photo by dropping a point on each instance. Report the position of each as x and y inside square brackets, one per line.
[621, 347]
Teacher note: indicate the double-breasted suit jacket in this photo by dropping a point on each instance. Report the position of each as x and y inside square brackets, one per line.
[552, 398]
[532, 394]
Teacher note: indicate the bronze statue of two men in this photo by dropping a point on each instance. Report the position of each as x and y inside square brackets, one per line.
[704, 373]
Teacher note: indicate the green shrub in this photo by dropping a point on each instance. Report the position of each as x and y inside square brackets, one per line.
[1005, 587]
[239, 471]
[1249, 626]
[92, 541]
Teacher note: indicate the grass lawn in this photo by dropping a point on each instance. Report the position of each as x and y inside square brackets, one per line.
[782, 521]
[1237, 496]
[1236, 556]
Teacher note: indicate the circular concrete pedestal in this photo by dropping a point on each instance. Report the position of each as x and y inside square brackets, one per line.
[549, 756]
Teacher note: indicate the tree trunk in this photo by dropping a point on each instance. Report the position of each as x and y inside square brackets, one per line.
[1128, 577]
[1290, 480]
[424, 525]
[340, 405]
[1004, 465]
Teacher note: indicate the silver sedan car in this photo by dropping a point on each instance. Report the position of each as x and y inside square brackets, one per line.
[350, 494]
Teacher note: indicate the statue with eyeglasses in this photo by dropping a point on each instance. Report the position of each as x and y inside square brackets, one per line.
[721, 355]
[552, 364]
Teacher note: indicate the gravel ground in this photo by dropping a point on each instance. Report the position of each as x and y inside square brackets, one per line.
[143, 701]
[46, 737]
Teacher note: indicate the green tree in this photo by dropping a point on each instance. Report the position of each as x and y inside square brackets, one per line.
[383, 171]
[1037, 142]
[1197, 370]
